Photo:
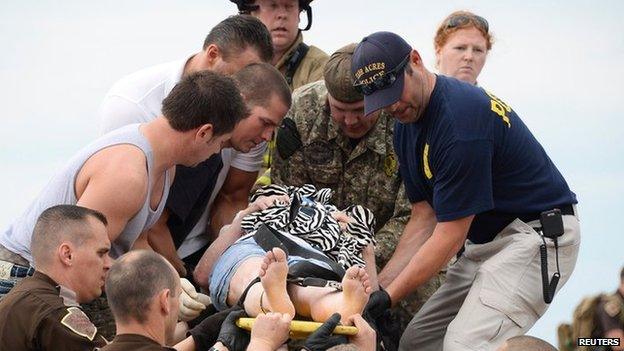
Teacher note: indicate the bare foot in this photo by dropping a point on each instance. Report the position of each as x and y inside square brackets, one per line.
[273, 272]
[356, 290]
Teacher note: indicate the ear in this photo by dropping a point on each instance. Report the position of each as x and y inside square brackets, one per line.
[213, 53]
[204, 133]
[415, 58]
[65, 254]
[163, 300]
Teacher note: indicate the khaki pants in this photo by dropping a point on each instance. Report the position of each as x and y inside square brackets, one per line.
[493, 292]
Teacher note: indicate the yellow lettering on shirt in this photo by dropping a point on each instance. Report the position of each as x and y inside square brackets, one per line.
[500, 108]
[427, 170]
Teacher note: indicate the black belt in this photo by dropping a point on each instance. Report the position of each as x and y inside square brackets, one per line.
[566, 210]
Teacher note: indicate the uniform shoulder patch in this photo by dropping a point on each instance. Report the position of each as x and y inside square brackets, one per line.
[78, 322]
[612, 308]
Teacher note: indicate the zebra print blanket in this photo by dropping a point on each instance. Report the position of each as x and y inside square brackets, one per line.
[314, 222]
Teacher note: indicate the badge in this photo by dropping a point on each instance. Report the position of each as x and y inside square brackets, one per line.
[612, 308]
[390, 165]
[78, 322]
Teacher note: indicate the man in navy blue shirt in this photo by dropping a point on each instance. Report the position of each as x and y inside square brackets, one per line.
[478, 181]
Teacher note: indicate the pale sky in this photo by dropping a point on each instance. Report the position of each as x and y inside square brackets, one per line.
[557, 63]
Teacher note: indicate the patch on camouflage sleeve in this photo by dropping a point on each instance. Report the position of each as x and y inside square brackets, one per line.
[78, 322]
[390, 165]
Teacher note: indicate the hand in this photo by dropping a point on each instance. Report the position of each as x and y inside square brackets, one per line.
[379, 302]
[342, 218]
[322, 338]
[264, 202]
[366, 338]
[191, 302]
[270, 331]
[233, 337]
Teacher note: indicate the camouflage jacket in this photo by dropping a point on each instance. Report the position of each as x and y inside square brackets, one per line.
[311, 149]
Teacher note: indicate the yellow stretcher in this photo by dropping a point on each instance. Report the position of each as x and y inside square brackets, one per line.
[300, 329]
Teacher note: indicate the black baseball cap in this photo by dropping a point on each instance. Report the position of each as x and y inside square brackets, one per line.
[377, 67]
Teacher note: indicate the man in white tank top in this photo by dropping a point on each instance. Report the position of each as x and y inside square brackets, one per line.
[126, 174]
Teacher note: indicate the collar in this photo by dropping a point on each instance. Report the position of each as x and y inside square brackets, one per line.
[280, 64]
[134, 338]
[67, 294]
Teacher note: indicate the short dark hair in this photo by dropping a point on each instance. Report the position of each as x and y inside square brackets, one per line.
[133, 281]
[527, 342]
[259, 81]
[204, 97]
[239, 32]
[622, 275]
[57, 224]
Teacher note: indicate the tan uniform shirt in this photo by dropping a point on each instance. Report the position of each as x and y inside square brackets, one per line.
[128, 342]
[310, 68]
[38, 314]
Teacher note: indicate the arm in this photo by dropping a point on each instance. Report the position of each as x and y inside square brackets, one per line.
[417, 230]
[232, 197]
[446, 240]
[161, 241]
[227, 236]
[114, 182]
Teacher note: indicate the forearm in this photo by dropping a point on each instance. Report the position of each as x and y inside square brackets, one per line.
[258, 346]
[227, 236]
[224, 210]
[187, 344]
[160, 239]
[410, 242]
[444, 243]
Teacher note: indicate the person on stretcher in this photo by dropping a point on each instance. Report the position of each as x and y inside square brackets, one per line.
[235, 273]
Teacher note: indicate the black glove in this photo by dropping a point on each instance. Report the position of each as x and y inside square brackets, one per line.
[378, 302]
[231, 336]
[322, 338]
[205, 333]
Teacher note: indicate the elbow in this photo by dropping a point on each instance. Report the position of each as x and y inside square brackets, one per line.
[201, 275]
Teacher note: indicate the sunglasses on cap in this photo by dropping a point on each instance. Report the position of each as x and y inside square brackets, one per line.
[382, 82]
[460, 20]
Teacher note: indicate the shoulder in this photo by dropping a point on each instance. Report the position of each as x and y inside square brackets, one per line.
[69, 328]
[309, 108]
[316, 55]
[137, 85]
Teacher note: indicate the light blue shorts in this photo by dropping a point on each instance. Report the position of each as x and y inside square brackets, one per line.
[228, 263]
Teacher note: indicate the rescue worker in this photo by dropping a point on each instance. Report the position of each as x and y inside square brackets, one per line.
[299, 63]
[325, 140]
[70, 250]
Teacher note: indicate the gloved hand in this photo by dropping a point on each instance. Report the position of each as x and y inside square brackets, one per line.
[192, 303]
[322, 338]
[205, 334]
[231, 336]
[378, 302]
